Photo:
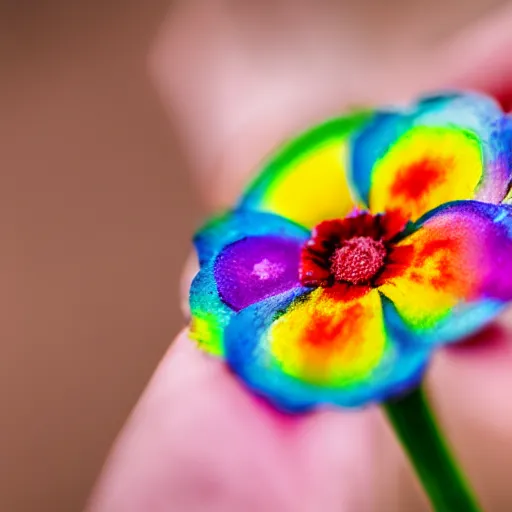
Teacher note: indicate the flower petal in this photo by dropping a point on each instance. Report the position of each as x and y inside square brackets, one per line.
[446, 148]
[328, 346]
[209, 314]
[239, 224]
[452, 273]
[244, 257]
[255, 268]
[306, 180]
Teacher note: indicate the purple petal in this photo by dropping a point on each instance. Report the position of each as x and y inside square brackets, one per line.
[255, 268]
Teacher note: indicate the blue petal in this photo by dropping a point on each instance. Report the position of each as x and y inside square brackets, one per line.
[246, 354]
[465, 320]
[210, 313]
[471, 112]
[239, 224]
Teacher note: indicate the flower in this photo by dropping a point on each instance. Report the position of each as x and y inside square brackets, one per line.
[361, 247]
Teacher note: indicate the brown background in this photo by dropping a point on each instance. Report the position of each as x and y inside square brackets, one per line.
[96, 213]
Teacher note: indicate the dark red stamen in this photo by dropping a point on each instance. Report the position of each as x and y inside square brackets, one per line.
[352, 250]
[358, 260]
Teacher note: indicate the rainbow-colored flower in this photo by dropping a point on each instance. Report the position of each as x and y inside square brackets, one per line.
[362, 246]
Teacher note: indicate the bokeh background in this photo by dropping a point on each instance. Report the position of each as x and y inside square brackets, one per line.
[97, 203]
[96, 216]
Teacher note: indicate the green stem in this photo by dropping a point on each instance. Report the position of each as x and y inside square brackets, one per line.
[416, 428]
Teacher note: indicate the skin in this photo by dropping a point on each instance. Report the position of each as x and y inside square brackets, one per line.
[197, 440]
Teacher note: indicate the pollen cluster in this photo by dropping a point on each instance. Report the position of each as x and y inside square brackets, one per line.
[358, 260]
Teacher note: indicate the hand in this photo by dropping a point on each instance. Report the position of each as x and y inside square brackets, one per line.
[239, 79]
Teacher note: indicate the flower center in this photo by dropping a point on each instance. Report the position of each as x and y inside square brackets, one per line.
[353, 250]
[358, 260]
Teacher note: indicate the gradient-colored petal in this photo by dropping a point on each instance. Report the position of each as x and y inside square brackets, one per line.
[332, 338]
[239, 224]
[424, 168]
[216, 246]
[445, 148]
[209, 314]
[256, 268]
[306, 348]
[506, 128]
[452, 273]
[306, 180]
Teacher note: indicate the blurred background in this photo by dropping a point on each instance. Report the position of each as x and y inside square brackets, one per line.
[96, 217]
[97, 202]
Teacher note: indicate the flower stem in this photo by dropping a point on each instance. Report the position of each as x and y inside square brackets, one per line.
[415, 426]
